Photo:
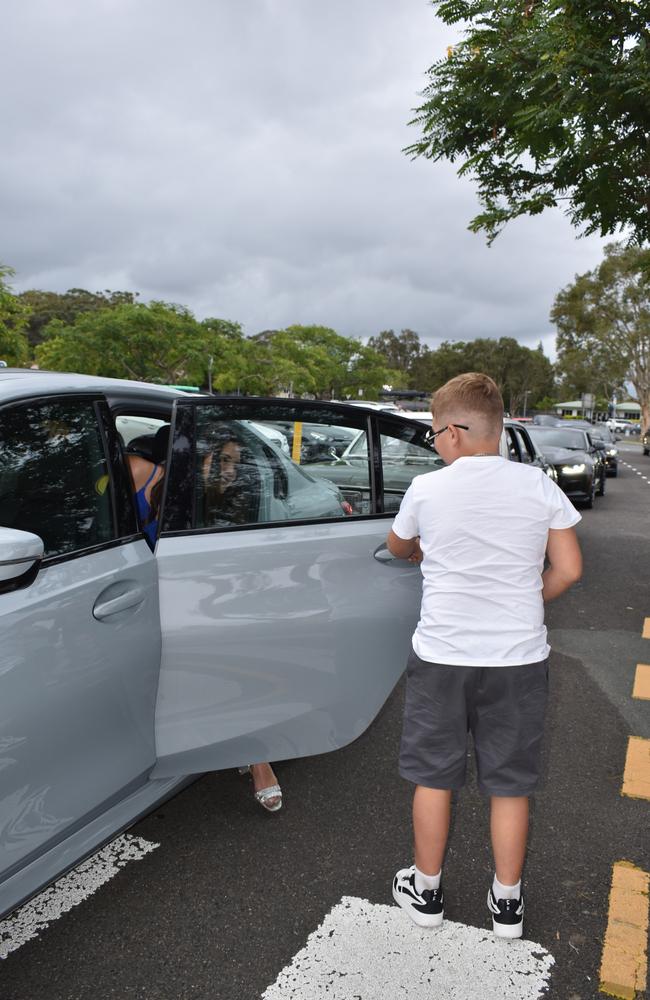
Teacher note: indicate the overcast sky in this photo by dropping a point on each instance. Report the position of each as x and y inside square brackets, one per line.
[244, 159]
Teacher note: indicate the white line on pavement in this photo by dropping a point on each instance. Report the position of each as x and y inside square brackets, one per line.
[373, 951]
[27, 922]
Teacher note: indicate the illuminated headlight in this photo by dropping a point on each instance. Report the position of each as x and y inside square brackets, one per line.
[612, 451]
[569, 470]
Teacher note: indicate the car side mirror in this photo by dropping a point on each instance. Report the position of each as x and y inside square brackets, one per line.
[21, 553]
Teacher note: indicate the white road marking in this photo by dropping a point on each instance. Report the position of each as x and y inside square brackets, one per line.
[366, 951]
[32, 918]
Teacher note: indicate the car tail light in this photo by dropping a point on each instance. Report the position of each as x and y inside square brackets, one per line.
[347, 507]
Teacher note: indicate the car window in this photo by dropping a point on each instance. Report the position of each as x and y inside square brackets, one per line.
[249, 472]
[559, 437]
[527, 455]
[406, 452]
[256, 462]
[513, 445]
[54, 479]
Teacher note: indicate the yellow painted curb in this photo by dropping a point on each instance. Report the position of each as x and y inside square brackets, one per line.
[646, 629]
[642, 681]
[624, 967]
[636, 779]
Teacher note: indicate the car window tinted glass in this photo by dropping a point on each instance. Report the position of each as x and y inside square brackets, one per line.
[53, 475]
[334, 454]
[524, 448]
[513, 446]
[250, 471]
[406, 452]
[559, 438]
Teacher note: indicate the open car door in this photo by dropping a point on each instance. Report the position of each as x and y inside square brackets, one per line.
[285, 621]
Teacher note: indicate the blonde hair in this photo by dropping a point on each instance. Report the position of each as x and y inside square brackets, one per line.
[470, 393]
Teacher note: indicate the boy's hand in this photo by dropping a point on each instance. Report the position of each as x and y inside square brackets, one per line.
[404, 548]
[416, 555]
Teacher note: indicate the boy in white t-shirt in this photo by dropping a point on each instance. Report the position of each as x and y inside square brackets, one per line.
[481, 528]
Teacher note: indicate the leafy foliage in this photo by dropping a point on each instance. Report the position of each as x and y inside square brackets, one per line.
[157, 342]
[546, 102]
[14, 348]
[319, 361]
[524, 376]
[42, 307]
[603, 324]
[401, 352]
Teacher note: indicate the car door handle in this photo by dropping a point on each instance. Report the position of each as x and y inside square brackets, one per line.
[382, 554]
[129, 599]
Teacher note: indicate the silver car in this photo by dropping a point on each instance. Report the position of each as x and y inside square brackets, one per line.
[266, 629]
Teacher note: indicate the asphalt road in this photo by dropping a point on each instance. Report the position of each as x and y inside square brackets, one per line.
[231, 894]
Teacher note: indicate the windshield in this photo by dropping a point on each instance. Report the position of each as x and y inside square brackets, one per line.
[559, 437]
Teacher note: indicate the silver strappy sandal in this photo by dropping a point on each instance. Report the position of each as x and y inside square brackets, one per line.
[270, 798]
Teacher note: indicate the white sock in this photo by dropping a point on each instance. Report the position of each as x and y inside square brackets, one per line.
[500, 890]
[423, 881]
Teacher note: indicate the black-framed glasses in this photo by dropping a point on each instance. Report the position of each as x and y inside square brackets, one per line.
[434, 434]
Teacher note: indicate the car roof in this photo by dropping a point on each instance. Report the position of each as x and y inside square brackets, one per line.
[18, 383]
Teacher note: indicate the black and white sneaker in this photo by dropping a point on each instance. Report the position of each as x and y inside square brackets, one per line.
[425, 908]
[507, 916]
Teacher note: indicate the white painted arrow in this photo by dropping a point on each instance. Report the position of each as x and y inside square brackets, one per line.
[28, 921]
[367, 951]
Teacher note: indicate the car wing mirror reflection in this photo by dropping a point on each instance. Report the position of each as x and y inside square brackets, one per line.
[21, 553]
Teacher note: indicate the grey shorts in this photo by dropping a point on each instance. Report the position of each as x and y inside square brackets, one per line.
[503, 708]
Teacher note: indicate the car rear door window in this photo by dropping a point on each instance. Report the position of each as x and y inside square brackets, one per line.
[54, 478]
[254, 464]
[406, 452]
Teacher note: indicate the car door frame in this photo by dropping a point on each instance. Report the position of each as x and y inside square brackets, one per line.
[180, 709]
[101, 821]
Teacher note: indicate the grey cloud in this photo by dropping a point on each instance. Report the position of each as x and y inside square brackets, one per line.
[245, 160]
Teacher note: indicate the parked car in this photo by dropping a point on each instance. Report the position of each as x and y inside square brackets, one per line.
[623, 427]
[521, 447]
[317, 441]
[600, 434]
[546, 420]
[127, 668]
[407, 452]
[579, 464]
[645, 441]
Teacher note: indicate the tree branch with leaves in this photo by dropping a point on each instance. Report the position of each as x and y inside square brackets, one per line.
[545, 103]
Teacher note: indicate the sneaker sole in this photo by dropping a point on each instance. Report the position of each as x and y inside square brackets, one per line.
[421, 919]
[507, 930]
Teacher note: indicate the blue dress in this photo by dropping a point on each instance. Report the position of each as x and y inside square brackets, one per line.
[148, 520]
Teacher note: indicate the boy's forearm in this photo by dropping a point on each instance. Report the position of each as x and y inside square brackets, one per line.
[402, 548]
[554, 583]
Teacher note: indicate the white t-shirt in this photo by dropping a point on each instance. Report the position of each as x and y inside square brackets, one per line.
[483, 523]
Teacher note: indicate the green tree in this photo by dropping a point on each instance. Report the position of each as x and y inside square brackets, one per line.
[401, 353]
[603, 324]
[319, 361]
[545, 103]
[230, 352]
[523, 375]
[157, 342]
[14, 348]
[42, 307]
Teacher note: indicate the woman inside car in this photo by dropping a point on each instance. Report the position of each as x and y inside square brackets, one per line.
[147, 476]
